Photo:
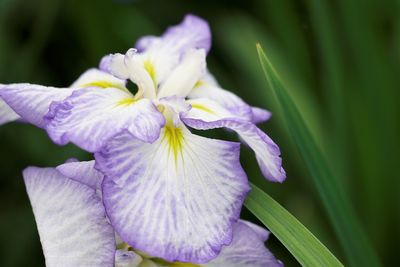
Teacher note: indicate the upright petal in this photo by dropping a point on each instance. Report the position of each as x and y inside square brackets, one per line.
[176, 198]
[89, 117]
[192, 32]
[71, 220]
[134, 66]
[31, 101]
[207, 114]
[185, 76]
[82, 172]
[246, 250]
[6, 113]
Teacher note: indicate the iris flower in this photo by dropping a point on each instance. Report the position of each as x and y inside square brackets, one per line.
[166, 191]
[74, 230]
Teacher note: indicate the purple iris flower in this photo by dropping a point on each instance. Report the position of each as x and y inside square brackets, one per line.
[74, 230]
[166, 191]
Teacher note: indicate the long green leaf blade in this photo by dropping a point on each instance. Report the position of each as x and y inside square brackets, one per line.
[303, 245]
[355, 244]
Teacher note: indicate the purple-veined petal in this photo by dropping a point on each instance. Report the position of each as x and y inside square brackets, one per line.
[82, 172]
[71, 220]
[176, 198]
[100, 79]
[260, 115]
[6, 113]
[185, 76]
[246, 250]
[207, 114]
[192, 32]
[125, 258]
[31, 101]
[89, 117]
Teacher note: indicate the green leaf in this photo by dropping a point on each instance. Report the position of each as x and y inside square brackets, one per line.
[341, 214]
[303, 245]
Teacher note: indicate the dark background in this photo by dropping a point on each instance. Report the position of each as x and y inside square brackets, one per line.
[339, 59]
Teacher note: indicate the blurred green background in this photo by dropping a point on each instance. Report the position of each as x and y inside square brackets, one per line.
[340, 60]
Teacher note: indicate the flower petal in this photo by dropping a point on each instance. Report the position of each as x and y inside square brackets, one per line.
[184, 77]
[176, 198]
[124, 258]
[6, 113]
[226, 99]
[192, 32]
[208, 87]
[82, 172]
[207, 114]
[246, 250]
[135, 67]
[71, 220]
[32, 101]
[260, 115]
[89, 117]
[100, 79]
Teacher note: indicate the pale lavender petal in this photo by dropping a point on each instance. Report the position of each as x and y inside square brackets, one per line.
[71, 220]
[192, 32]
[176, 198]
[6, 113]
[32, 102]
[246, 250]
[261, 232]
[124, 258]
[90, 116]
[82, 172]
[206, 114]
[146, 42]
[260, 115]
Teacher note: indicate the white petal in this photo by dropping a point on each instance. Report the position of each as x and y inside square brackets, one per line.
[208, 114]
[185, 76]
[176, 198]
[100, 79]
[135, 67]
[71, 221]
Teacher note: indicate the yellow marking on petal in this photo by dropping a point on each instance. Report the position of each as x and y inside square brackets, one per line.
[126, 101]
[183, 264]
[203, 108]
[163, 262]
[104, 85]
[174, 137]
[199, 83]
[149, 67]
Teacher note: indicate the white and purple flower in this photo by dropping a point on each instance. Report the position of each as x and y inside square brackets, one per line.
[74, 230]
[167, 192]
